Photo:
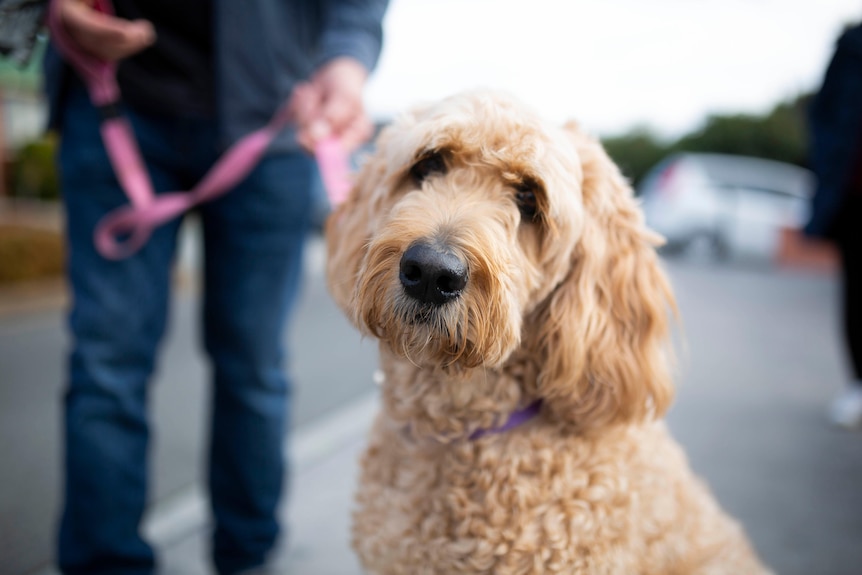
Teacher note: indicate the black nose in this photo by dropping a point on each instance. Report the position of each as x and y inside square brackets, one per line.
[431, 275]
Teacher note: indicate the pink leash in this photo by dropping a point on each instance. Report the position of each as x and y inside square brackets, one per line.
[135, 222]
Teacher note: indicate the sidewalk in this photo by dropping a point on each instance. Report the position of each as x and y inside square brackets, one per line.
[761, 362]
[316, 514]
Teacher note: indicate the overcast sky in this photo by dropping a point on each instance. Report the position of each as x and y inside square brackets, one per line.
[611, 64]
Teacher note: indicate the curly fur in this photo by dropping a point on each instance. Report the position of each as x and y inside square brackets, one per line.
[570, 306]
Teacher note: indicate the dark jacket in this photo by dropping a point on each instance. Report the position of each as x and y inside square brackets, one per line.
[835, 123]
[263, 48]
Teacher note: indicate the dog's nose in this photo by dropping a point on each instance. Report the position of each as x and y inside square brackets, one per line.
[431, 275]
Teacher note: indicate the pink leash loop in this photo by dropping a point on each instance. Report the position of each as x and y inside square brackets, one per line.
[123, 231]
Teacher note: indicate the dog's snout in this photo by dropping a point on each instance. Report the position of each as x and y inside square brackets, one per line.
[432, 275]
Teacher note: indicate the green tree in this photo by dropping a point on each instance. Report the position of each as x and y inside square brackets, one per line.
[34, 172]
[781, 135]
[635, 153]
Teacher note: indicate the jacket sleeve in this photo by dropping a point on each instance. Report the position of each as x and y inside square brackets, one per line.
[835, 126]
[352, 28]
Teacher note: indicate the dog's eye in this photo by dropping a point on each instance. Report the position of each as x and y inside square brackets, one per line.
[433, 163]
[525, 196]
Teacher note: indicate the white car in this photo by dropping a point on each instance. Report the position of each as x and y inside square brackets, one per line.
[726, 205]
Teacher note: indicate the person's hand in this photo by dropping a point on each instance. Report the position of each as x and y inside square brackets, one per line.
[106, 37]
[331, 104]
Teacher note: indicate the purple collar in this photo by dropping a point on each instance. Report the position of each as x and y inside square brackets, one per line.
[515, 419]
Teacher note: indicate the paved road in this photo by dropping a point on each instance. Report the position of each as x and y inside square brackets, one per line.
[763, 361]
[760, 363]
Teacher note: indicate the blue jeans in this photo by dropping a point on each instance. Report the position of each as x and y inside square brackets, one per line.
[253, 242]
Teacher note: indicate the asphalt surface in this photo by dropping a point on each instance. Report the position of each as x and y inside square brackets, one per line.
[759, 361]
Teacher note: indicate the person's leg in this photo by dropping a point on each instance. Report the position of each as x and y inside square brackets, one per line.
[253, 241]
[846, 410]
[851, 257]
[116, 321]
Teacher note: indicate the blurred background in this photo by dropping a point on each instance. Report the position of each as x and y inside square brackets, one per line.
[701, 103]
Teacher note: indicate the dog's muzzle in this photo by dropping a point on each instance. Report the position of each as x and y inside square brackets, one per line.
[432, 275]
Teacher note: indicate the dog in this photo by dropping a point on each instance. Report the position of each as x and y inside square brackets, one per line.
[523, 323]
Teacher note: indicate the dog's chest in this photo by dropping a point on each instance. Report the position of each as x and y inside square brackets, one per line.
[501, 499]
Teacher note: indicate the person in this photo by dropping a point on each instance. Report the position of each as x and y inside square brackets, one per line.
[195, 77]
[836, 157]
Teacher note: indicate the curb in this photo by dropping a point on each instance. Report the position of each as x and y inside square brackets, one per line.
[186, 514]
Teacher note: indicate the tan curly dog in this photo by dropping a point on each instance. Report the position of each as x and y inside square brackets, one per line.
[505, 268]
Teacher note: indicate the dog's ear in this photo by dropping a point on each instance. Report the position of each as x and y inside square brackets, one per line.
[349, 228]
[603, 333]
